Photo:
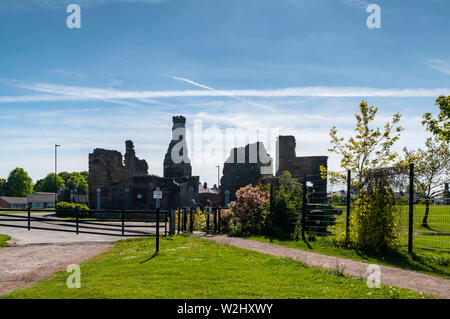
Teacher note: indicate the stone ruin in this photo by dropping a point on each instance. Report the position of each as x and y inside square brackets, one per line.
[245, 166]
[177, 150]
[122, 182]
[299, 167]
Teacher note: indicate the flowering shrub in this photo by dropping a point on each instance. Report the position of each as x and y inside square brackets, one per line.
[226, 220]
[249, 209]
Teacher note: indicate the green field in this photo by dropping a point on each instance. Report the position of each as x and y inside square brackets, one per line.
[196, 268]
[429, 242]
[3, 240]
[431, 247]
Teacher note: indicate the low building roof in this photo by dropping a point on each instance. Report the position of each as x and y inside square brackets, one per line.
[41, 197]
[15, 200]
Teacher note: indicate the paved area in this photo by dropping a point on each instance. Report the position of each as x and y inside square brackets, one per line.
[389, 275]
[21, 266]
[34, 255]
[23, 236]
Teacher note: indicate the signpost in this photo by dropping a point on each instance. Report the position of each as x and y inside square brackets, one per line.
[157, 194]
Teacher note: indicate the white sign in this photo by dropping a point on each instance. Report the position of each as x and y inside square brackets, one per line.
[157, 194]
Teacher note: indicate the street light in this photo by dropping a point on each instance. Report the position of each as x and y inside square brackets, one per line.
[56, 172]
[218, 176]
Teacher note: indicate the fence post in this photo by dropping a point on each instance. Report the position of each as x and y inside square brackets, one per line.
[185, 220]
[303, 223]
[191, 221]
[165, 224]
[347, 222]
[76, 214]
[29, 218]
[215, 220]
[411, 208]
[218, 219]
[157, 230]
[123, 222]
[179, 219]
[207, 221]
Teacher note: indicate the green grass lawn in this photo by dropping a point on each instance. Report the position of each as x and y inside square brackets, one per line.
[438, 266]
[431, 246]
[3, 240]
[196, 268]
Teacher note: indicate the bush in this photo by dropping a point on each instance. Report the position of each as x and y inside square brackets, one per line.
[373, 220]
[284, 220]
[226, 220]
[64, 209]
[249, 209]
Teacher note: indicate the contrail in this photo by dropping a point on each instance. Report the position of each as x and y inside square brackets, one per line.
[264, 107]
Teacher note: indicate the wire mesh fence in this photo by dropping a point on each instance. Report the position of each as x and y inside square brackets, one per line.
[422, 223]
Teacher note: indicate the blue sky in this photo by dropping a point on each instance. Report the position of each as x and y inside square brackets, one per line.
[299, 66]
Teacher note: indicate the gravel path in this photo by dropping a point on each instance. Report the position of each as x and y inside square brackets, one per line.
[36, 254]
[21, 266]
[389, 275]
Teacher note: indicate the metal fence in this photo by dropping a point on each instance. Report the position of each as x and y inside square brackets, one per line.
[325, 213]
[130, 223]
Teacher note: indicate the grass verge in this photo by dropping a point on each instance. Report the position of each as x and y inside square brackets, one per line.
[189, 267]
[3, 240]
[437, 266]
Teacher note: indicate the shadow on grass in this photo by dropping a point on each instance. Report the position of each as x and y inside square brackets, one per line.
[150, 258]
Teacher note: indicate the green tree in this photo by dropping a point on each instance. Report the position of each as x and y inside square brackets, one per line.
[440, 127]
[38, 185]
[369, 148]
[431, 170]
[19, 184]
[49, 183]
[286, 207]
[85, 175]
[2, 186]
[65, 176]
[77, 181]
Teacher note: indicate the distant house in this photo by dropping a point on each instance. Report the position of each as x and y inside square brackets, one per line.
[70, 196]
[41, 200]
[212, 194]
[342, 195]
[13, 202]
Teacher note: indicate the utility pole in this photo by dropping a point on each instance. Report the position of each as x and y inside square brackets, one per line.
[56, 172]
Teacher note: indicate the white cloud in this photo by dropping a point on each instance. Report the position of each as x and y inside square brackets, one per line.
[77, 93]
[439, 65]
[23, 5]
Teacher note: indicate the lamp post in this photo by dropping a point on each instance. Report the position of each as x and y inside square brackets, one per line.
[218, 176]
[56, 172]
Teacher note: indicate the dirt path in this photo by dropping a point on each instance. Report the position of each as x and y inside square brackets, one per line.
[22, 265]
[390, 276]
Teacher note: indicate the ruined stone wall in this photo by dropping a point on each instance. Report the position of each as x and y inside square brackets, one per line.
[112, 173]
[246, 165]
[107, 173]
[177, 146]
[141, 192]
[308, 166]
